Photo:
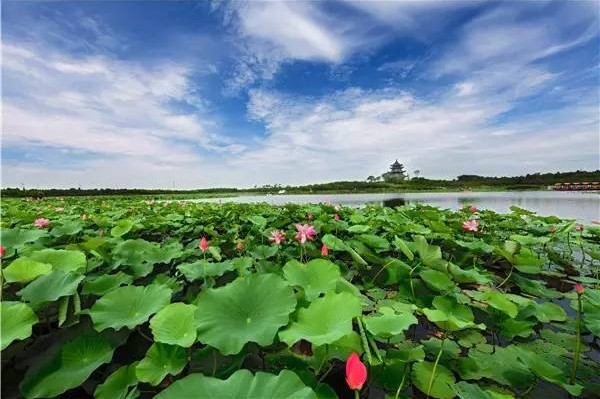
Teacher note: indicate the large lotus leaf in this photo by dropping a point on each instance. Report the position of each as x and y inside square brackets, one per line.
[451, 315]
[511, 328]
[118, 384]
[250, 309]
[315, 277]
[16, 321]
[128, 306]
[334, 243]
[388, 323]
[326, 320]
[501, 302]
[241, 385]
[142, 255]
[68, 368]
[202, 269]
[67, 228]
[17, 238]
[100, 285]
[23, 270]
[545, 312]
[175, 324]
[264, 251]
[465, 390]
[442, 383]
[121, 228]
[161, 360]
[51, 287]
[467, 276]
[375, 242]
[437, 280]
[431, 255]
[526, 261]
[60, 259]
[501, 366]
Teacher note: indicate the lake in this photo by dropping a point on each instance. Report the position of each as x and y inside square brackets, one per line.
[582, 206]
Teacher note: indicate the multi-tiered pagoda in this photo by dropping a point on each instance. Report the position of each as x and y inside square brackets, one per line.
[396, 173]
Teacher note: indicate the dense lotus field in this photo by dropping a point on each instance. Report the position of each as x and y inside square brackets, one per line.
[111, 298]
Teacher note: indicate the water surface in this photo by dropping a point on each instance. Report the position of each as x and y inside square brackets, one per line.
[581, 206]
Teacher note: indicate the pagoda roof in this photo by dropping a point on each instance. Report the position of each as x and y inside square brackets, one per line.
[396, 163]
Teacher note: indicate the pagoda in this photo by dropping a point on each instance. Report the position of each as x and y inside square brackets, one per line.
[396, 173]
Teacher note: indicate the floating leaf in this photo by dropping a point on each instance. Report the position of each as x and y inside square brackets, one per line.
[128, 306]
[388, 323]
[326, 320]
[160, 361]
[241, 385]
[16, 320]
[315, 277]
[175, 325]
[255, 307]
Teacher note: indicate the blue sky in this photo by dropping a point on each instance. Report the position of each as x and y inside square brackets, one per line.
[214, 94]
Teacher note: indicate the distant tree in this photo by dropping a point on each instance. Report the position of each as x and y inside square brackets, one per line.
[416, 173]
[371, 179]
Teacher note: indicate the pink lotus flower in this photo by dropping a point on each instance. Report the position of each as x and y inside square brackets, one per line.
[204, 244]
[324, 250]
[473, 209]
[41, 223]
[356, 372]
[336, 216]
[579, 289]
[2, 251]
[470, 225]
[277, 237]
[305, 232]
[579, 227]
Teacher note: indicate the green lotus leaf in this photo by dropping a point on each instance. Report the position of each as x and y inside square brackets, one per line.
[67, 228]
[160, 361]
[16, 321]
[17, 238]
[240, 385]
[326, 320]
[450, 315]
[250, 309]
[175, 324]
[375, 242]
[437, 280]
[359, 228]
[315, 277]
[467, 276]
[60, 259]
[430, 255]
[432, 347]
[118, 384]
[100, 285]
[264, 251]
[141, 255]
[442, 383]
[502, 366]
[500, 301]
[465, 390]
[23, 270]
[526, 261]
[121, 228]
[68, 368]
[203, 268]
[128, 306]
[403, 247]
[334, 243]
[545, 312]
[51, 286]
[388, 323]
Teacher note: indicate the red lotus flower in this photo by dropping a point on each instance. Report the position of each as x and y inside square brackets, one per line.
[336, 216]
[470, 225]
[2, 251]
[356, 372]
[324, 250]
[277, 237]
[305, 232]
[204, 244]
[579, 289]
[41, 223]
[473, 209]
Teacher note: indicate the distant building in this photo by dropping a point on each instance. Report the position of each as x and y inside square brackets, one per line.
[396, 174]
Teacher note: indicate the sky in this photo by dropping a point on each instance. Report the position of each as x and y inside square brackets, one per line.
[185, 94]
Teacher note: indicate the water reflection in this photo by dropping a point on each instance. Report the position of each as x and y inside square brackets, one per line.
[394, 202]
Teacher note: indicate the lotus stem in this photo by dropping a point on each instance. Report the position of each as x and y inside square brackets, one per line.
[437, 360]
[512, 266]
[356, 394]
[578, 342]
[401, 383]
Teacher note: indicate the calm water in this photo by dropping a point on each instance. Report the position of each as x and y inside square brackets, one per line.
[582, 206]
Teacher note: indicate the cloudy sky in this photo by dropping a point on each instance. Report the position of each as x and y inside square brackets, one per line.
[199, 94]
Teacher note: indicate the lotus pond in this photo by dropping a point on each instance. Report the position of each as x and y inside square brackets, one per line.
[127, 298]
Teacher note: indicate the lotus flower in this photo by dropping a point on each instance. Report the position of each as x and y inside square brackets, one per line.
[356, 372]
[305, 232]
[579, 227]
[579, 289]
[277, 237]
[470, 225]
[473, 209]
[204, 244]
[324, 250]
[336, 216]
[2, 251]
[41, 223]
